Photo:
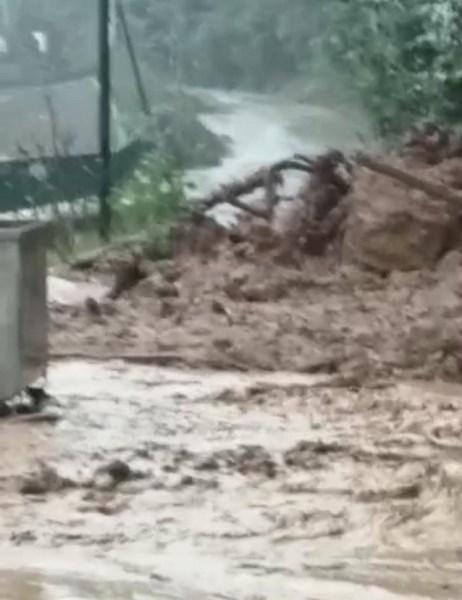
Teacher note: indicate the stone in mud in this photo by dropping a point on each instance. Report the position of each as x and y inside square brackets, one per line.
[168, 309]
[244, 251]
[93, 308]
[230, 396]
[168, 290]
[451, 265]
[117, 470]
[5, 410]
[247, 460]
[263, 292]
[391, 227]
[410, 491]
[171, 272]
[187, 481]
[222, 344]
[45, 481]
[111, 508]
[23, 537]
[157, 285]
[209, 463]
[306, 454]
[220, 309]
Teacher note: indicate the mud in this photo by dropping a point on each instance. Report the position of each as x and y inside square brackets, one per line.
[195, 484]
[302, 443]
[239, 309]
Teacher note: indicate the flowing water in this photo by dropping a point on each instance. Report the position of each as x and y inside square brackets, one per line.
[241, 487]
[262, 130]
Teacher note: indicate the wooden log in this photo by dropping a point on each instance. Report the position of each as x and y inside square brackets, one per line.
[437, 190]
[268, 179]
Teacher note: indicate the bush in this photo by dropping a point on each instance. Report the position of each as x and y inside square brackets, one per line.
[151, 202]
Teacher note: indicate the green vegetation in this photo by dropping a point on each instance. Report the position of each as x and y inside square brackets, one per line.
[145, 208]
[400, 58]
[152, 201]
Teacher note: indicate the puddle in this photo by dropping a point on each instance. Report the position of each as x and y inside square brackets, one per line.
[246, 487]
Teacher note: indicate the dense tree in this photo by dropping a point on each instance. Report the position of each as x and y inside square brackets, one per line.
[402, 56]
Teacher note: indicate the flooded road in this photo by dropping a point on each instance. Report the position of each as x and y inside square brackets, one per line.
[165, 484]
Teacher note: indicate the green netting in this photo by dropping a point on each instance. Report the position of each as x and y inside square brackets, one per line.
[49, 101]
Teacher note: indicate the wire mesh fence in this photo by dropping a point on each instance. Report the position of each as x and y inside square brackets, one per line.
[64, 68]
[112, 109]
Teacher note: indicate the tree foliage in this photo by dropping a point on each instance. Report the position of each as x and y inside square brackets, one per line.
[403, 57]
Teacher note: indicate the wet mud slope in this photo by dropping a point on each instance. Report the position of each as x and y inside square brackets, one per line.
[232, 313]
[358, 274]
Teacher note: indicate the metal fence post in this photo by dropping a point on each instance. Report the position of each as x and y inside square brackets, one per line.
[104, 119]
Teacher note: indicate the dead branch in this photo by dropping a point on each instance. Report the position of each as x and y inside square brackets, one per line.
[267, 179]
[432, 189]
[305, 159]
[162, 360]
[228, 193]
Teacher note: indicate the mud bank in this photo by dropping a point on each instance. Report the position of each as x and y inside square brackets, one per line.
[230, 485]
[237, 309]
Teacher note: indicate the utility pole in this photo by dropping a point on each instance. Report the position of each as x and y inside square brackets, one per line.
[104, 119]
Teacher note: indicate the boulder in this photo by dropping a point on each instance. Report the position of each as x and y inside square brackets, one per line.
[393, 227]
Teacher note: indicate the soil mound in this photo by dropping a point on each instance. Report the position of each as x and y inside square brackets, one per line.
[365, 283]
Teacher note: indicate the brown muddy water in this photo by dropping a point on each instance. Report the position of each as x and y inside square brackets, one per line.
[232, 486]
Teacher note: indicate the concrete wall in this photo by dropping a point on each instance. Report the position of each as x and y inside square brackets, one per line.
[23, 307]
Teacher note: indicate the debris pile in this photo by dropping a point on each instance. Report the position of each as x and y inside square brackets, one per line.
[393, 224]
[309, 283]
[431, 144]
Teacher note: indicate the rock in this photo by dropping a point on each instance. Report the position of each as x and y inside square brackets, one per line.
[172, 273]
[46, 480]
[263, 292]
[103, 482]
[246, 459]
[157, 285]
[187, 481]
[209, 463]
[306, 454]
[168, 290]
[93, 308]
[5, 410]
[451, 264]
[244, 251]
[127, 275]
[111, 509]
[220, 309]
[167, 309]
[391, 227]
[118, 470]
[23, 537]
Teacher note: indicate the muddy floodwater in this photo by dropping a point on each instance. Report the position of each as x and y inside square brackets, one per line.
[152, 483]
[156, 483]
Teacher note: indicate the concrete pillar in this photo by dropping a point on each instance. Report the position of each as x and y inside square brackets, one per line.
[23, 306]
